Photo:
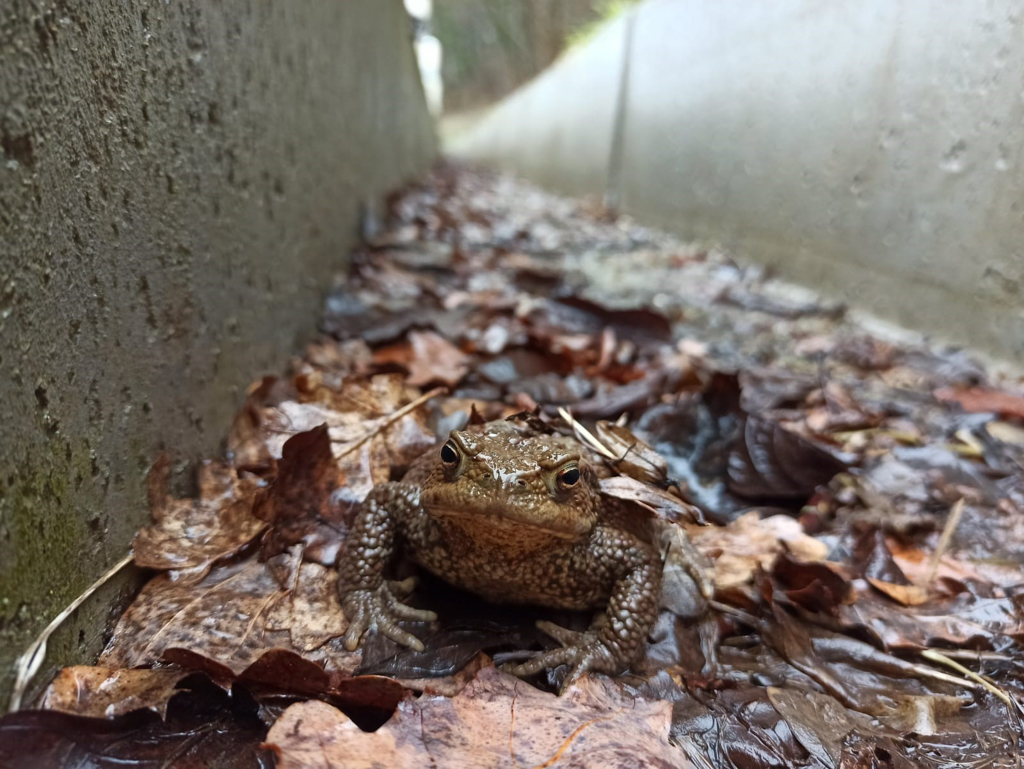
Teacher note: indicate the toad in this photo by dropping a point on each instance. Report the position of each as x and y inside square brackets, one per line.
[515, 517]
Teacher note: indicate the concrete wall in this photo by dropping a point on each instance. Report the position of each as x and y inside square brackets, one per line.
[178, 182]
[872, 149]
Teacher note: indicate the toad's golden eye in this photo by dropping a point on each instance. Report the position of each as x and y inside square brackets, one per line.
[569, 476]
[449, 455]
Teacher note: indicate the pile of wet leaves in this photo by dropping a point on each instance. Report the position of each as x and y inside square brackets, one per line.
[853, 502]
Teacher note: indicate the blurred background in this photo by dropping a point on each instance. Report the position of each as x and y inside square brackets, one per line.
[870, 150]
[492, 48]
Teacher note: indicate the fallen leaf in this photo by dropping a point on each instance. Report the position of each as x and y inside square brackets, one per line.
[957, 567]
[495, 721]
[818, 721]
[628, 397]
[300, 505]
[814, 585]
[749, 544]
[663, 503]
[634, 457]
[348, 315]
[168, 614]
[201, 730]
[908, 595]
[355, 409]
[773, 463]
[575, 315]
[872, 559]
[695, 436]
[904, 710]
[189, 535]
[105, 692]
[247, 445]
[432, 359]
[311, 611]
[984, 400]
[1007, 432]
[963, 621]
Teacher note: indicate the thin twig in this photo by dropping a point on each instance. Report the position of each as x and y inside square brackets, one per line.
[952, 521]
[587, 437]
[391, 418]
[929, 672]
[977, 656]
[739, 614]
[942, 659]
[28, 664]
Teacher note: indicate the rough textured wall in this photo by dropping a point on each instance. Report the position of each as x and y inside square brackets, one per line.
[177, 184]
[872, 149]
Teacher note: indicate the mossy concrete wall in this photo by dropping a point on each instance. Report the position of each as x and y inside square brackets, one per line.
[178, 182]
[873, 149]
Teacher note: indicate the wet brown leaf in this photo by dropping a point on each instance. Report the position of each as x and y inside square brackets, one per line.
[664, 504]
[963, 621]
[575, 315]
[872, 559]
[985, 399]
[168, 614]
[105, 692]
[201, 730]
[428, 357]
[773, 463]
[354, 409]
[908, 595]
[815, 585]
[817, 720]
[247, 445]
[749, 544]
[901, 706]
[311, 611]
[628, 397]
[956, 568]
[300, 505]
[189, 535]
[495, 721]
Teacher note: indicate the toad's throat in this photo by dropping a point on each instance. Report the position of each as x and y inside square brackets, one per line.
[494, 519]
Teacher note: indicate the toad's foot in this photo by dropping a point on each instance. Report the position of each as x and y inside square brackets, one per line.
[585, 652]
[379, 610]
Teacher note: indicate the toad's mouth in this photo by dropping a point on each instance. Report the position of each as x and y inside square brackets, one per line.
[496, 519]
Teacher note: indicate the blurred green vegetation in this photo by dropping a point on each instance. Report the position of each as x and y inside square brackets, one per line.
[491, 47]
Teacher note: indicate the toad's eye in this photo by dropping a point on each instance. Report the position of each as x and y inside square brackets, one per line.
[569, 476]
[449, 455]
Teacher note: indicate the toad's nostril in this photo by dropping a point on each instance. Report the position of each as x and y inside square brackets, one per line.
[521, 482]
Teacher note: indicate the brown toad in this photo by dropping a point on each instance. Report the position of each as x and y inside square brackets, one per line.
[514, 517]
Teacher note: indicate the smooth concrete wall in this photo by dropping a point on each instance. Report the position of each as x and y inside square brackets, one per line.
[178, 183]
[872, 149]
[558, 129]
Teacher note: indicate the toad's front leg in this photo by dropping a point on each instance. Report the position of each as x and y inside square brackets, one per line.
[611, 645]
[367, 599]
